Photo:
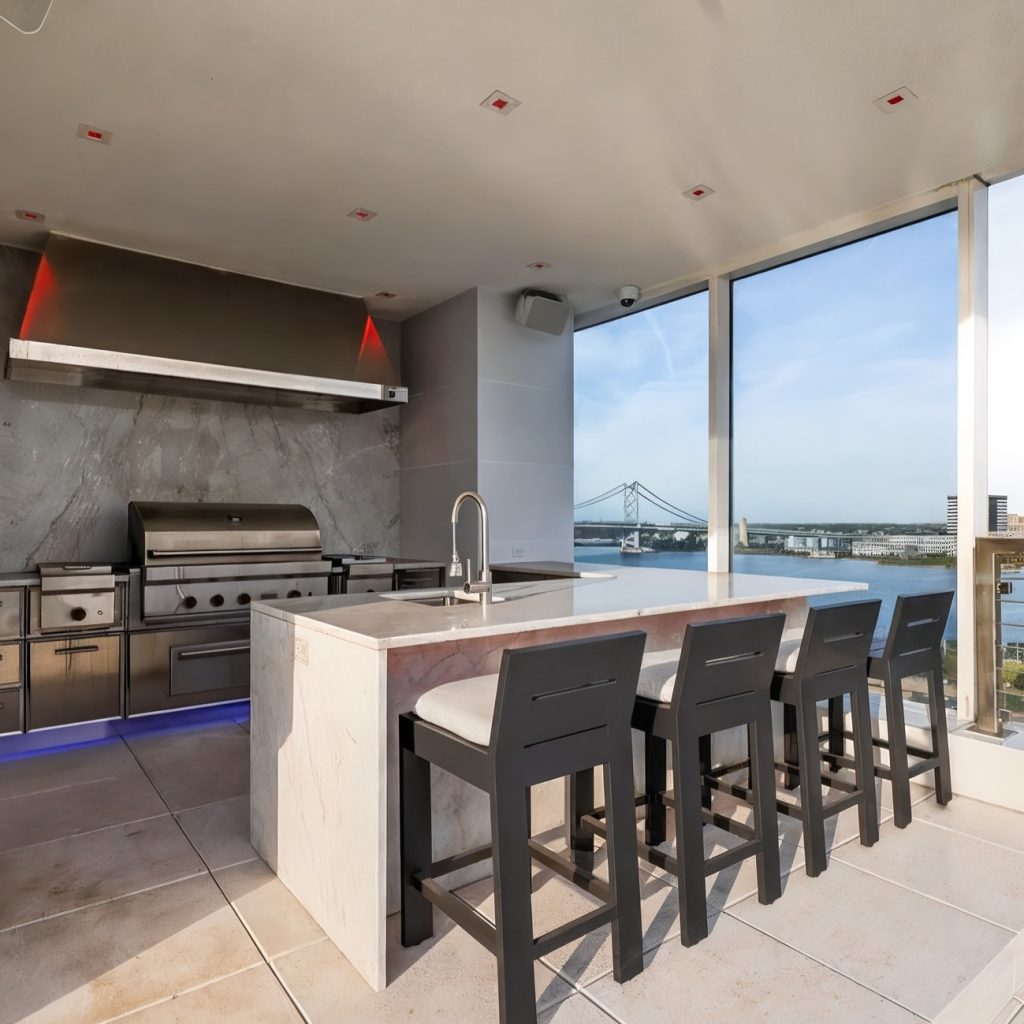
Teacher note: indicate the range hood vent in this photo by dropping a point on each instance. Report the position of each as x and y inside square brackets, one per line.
[110, 318]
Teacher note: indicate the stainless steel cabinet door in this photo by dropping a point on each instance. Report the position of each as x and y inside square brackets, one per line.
[74, 680]
[10, 709]
[10, 614]
[10, 664]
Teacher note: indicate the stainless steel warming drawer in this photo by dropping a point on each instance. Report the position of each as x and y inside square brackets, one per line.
[74, 679]
[177, 668]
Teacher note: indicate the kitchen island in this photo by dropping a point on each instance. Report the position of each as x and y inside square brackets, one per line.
[330, 675]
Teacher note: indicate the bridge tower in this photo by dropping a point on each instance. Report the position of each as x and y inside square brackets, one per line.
[631, 503]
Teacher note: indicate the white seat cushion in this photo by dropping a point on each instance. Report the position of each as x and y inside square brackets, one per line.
[658, 676]
[464, 707]
[789, 650]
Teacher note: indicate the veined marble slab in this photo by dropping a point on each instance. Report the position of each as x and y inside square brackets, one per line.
[603, 594]
[331, 676]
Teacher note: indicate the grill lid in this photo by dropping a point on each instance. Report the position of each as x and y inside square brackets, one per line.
[165, 532]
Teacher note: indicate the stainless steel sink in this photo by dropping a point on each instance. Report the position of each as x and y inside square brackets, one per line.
[435, 599]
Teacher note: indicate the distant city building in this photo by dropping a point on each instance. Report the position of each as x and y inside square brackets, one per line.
[1015, 522]
[997, 522]
[905, 545]
[797, 542]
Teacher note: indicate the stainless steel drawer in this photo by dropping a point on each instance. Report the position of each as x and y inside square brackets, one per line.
[10, 709]
[10, 664]
[177, 668]
[76, 679]
[11, 614]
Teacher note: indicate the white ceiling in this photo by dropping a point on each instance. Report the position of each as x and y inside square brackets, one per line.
[245, 130]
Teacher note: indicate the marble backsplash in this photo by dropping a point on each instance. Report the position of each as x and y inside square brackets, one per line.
[71, 459]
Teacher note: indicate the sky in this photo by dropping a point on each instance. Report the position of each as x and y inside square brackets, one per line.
[844, 384]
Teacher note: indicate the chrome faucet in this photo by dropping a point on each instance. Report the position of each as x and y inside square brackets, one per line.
[482, 585]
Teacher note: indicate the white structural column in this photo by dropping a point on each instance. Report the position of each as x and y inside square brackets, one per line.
[719, 424]
[972, 423]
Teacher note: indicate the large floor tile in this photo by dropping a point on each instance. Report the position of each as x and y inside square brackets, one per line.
[969, 873]
[972, 817]
[449, 978]
[42, 772]
[94, 964]
[57, 813]
[738, 974]
[272, 914]
[910, 948]
[220, 832]
[51, 878]
[253, 996]
[195, 765]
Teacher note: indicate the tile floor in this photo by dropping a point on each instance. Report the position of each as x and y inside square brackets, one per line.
[131, 893]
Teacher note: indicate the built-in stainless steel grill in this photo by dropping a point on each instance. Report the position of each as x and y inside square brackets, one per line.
[199, 567]
[211, 560]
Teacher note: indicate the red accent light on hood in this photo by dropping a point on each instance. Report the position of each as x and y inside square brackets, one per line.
[373, 362]
[42, 291]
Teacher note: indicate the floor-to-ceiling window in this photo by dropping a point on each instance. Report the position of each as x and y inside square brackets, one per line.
[1006, 417]
[641, 437]
[844, 415]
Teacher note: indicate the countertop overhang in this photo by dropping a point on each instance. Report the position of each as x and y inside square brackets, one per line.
[603, 594]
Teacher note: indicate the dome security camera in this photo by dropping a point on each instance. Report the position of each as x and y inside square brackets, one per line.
[629, 295]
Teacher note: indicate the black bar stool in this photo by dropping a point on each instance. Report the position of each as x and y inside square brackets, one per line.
[828, 662]
[551, 711]
[912, 648]
[721, 679]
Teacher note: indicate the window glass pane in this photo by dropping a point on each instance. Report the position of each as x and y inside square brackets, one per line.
[641, 416]
[1006, 453]
[844, 416]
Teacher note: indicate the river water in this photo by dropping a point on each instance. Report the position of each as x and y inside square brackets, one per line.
[886, 582]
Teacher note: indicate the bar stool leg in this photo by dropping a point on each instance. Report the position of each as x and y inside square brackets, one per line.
[864, 759]
[693, 910]
[704, 745]
[513, 913]
[791, 749]
[655, 785]
[766, 821]
[940, 736]
[836, 740]
[899, 761]
[623, 873]
[810, 786]
[416, 845]
[579, 797]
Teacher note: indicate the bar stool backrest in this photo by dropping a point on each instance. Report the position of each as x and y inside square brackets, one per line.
[725, 659]
[837, 639]
[918, 623]
[573, 688]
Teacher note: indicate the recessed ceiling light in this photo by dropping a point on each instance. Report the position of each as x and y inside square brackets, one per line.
[500, 102]
[31, 215]
[94, 134]
[386, 295]
[538, 265]
[895, 100]
[699, 192]
[359, 213]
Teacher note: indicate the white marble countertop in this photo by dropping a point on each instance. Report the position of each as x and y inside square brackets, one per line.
[602, 593]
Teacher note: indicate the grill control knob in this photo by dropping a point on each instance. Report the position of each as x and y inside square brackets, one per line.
[217, 600]
[78, 614]
[244, 598]
[295, 593]
[190, 602]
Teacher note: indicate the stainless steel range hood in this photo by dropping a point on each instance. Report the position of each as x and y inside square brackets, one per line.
[109, 318]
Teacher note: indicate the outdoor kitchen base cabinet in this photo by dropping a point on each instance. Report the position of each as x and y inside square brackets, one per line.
[74, 680]
[178, 668]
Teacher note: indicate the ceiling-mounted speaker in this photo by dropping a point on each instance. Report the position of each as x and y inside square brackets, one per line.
[542, 311]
